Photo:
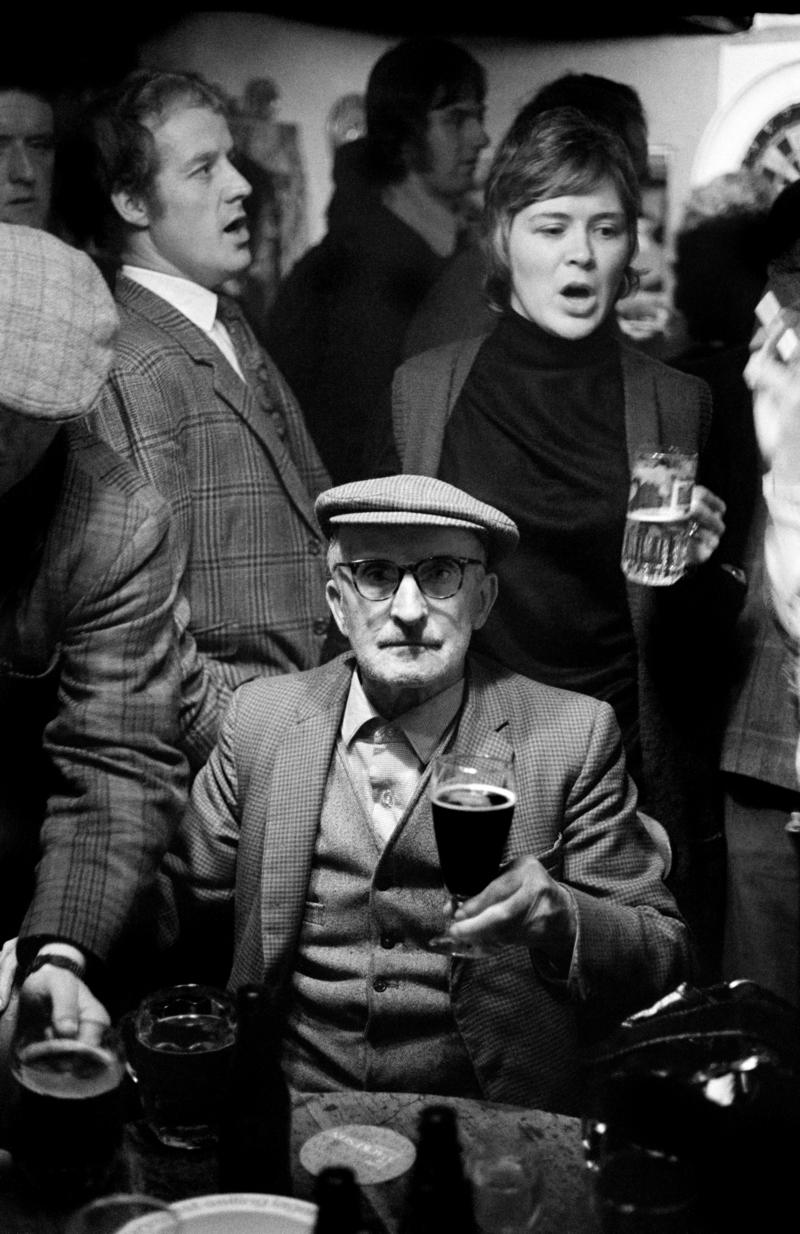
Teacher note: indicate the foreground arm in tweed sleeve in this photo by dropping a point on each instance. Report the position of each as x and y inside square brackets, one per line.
[139, 415]
[120, 782]
[200, 869]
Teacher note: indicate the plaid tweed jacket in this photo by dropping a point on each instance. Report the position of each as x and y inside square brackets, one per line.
[252, 825]
[237, 466]
[90, 688]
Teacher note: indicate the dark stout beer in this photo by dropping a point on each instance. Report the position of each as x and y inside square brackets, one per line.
[67, 1125]
[471, 823]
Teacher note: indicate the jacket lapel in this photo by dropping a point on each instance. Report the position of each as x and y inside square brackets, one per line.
[655, 412]
[298, 782]
[246, 400]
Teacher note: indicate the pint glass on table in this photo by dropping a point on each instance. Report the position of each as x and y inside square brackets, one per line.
[182, 1057]
[68, 1116]
[655, 548]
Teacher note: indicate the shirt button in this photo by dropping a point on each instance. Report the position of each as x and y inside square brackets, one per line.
[388, 941]
[387, 798]
[314, 548]
[320, 625]
[379, 985]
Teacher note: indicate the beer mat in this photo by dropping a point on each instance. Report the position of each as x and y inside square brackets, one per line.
[374, 1154]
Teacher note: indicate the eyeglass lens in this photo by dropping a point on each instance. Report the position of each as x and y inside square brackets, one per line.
[437, 577]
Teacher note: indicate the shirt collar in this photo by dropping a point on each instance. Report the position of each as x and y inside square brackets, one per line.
[195, 302]
[423, 726]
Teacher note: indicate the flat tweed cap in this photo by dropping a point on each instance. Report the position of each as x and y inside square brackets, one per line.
[415, 499]
[58, 322]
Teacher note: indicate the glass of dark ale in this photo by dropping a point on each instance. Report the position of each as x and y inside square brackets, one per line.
[182, 1059]
[66, 1127]
[472, 800]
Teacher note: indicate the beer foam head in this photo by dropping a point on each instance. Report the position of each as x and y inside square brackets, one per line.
[67, 1068]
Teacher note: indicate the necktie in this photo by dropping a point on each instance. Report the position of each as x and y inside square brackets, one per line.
[230, 316]
[393, 770]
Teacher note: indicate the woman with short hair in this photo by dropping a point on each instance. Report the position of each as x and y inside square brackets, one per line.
[541, 417]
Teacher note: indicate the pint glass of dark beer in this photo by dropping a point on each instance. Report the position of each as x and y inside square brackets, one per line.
[472, 801]
[68, 1109]
[182, 1057]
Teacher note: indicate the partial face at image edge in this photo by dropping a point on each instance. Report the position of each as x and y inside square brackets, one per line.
[26, 158]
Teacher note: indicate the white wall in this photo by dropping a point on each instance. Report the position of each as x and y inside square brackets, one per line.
[677, 79]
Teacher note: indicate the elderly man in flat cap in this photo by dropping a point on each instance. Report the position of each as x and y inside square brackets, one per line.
[91, 781]
[312, 813]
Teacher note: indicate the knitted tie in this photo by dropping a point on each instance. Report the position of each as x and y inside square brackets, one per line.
[394, 771]
[229, 313]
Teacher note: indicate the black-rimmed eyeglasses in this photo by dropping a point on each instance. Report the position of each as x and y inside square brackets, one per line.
[438, 578]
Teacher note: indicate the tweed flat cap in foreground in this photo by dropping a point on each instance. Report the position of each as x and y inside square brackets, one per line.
[420, 500]
[58, 322]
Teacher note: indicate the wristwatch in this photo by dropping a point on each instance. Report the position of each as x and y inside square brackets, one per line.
[76, 967]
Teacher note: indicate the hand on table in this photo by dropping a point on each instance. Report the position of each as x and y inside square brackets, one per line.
[708, 511]
[523, 906]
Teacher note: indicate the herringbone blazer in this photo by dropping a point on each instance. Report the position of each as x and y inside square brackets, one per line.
[241, 474]
[89, 696]
[252, 825]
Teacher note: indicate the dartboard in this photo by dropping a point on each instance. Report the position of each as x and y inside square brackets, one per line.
[758, 128]
[775, 149]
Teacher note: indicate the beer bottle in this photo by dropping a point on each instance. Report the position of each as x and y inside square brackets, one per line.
[338, 1201]
[439, 1194]
[255, 1130]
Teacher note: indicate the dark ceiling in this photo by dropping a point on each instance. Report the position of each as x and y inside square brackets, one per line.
[76, 45]
[479, 19]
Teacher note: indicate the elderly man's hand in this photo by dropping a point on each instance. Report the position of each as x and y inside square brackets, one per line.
[523, 906]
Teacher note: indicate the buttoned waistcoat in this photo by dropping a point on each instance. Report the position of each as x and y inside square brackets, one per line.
[251, 831]
[240, 472]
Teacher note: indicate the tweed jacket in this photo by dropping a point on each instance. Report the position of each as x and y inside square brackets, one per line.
[236, 464]
[679, 630]
[251, 829]
[91, 781]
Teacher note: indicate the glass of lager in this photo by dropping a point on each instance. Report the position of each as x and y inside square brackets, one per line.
[68, 1107]
[472, 801]
[655, 548]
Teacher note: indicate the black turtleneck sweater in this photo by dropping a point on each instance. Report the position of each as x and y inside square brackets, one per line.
[539, 431]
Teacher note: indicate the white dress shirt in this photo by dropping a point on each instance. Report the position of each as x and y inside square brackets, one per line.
[195, 302]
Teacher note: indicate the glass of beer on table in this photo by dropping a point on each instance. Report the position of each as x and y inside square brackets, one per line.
[472, 801]
[181, 1049]
[68, 1106]
[655, 548]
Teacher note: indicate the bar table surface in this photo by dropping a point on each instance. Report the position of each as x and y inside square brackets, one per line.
[170, 1174]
